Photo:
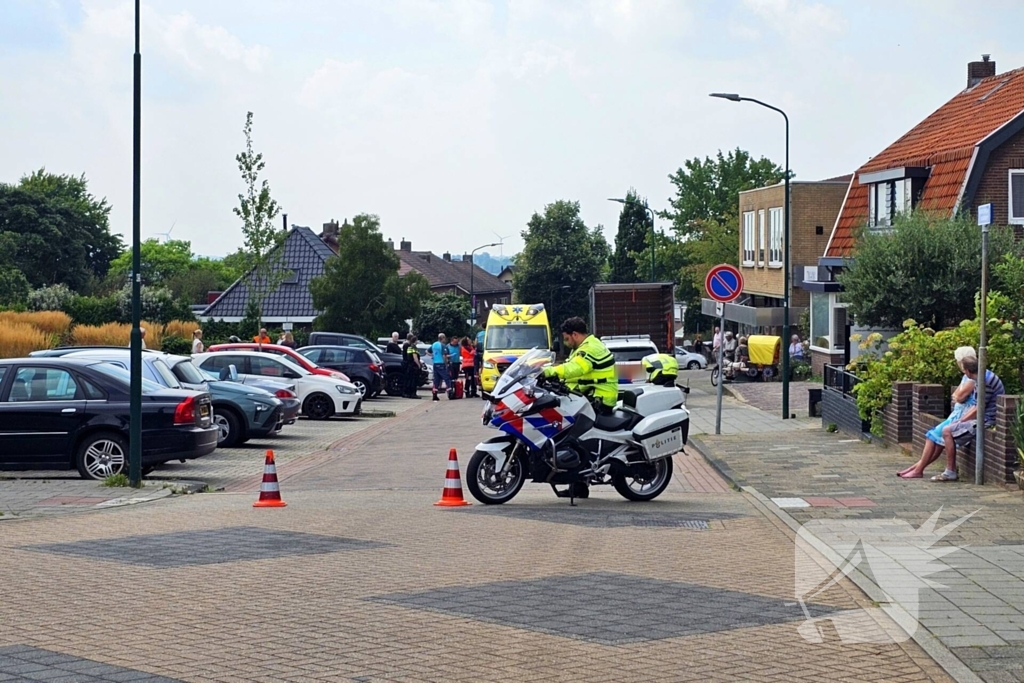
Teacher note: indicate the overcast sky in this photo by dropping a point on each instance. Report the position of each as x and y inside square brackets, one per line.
[455, 120]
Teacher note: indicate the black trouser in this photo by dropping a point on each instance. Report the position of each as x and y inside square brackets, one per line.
[412, 380]
[470, 373]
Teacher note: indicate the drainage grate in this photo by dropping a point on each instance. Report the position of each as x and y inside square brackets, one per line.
[208, 546]
[607, 608]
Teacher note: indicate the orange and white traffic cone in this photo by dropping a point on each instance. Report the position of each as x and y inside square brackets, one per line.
[270, 492]
[452, 496]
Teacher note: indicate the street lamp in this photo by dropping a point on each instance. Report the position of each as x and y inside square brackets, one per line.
[472, 271]
[733, 97]
[648, 210]
[135, 352]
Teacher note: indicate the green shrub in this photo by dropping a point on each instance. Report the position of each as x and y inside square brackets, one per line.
[53, 298]
[176, 345]
[92, 310]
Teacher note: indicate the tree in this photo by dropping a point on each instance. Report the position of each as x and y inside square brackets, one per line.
[159, 262]
[562, 258]
[443, 313]
[361, 290]
[926, 268]
[631, 240]
[709, 189]
[257, 209]
[55, 232]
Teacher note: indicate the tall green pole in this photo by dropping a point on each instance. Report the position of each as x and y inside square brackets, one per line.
[135, 426]
[648, 209]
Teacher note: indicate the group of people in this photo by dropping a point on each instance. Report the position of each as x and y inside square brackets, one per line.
[286, 339]
[450, 359]
[961, 426]
[733, 346]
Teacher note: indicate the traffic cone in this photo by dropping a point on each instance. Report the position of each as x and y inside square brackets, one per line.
[452, 496]
[270, 493]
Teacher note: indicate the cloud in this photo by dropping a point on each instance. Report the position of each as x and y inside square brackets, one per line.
[797, 19]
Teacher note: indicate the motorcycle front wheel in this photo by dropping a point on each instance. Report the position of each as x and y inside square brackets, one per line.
[486, 485]
[644, 481]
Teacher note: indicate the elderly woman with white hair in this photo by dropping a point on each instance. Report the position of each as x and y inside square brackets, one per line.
[963, 398]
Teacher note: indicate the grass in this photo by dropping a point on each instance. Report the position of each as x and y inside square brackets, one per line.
[180, 328]
[56, 323]
[116, 480]
[17, 339]
[116, 334]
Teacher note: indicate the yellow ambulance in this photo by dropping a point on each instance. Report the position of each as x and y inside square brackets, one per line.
[512, 330]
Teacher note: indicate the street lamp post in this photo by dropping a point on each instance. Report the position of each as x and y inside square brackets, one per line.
[135, 352]
[733, 97]
[472, 271]
[648, 210]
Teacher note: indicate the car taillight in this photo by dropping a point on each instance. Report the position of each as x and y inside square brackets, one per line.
[284, 393]
[374, 367]
[185, 413]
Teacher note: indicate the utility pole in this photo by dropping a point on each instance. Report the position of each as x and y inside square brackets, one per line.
[135, 354]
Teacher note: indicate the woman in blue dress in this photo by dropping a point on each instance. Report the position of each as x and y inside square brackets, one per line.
[963, 398]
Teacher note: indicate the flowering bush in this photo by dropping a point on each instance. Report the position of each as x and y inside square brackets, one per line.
[53, 298]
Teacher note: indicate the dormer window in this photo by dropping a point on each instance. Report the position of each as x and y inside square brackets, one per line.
[892, 192]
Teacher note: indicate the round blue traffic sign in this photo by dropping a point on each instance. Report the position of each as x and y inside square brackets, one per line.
[723, 283]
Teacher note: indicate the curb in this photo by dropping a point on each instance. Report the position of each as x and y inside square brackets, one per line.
[931, 645]
[121, 502]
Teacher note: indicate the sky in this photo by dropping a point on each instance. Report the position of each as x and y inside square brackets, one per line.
[456, 120]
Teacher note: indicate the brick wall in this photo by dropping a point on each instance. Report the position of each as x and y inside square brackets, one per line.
[994, 187]
[1000, 450]
[929, 402]
[813, 205]
[841, 410]
[819, 360]
[898, 416]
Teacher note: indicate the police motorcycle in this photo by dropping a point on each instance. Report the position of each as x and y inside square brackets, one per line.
[552, 434]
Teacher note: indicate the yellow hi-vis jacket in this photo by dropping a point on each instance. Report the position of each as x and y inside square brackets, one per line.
[590, 367]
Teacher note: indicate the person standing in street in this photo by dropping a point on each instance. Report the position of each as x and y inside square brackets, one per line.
[288, 339]
[393, 346]
[142, 334]
[411, 366]
[454, 359]
[478, 361]
[263, 337]
[468, 356]
[439, 356]
[197, 342]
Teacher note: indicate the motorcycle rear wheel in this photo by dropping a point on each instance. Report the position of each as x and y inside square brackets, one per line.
[482, 483]
[644, 482]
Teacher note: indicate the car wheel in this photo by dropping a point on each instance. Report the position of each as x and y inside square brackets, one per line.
[318, 407]
[229, 428]
[393, 384]
[693, 365]
[102, 455]
[361, 386]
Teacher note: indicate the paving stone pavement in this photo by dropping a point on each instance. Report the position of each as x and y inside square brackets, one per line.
[978, 612]
[520, 592]
[737, 416]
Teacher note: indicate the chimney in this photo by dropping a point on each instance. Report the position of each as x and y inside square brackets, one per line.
[330, 230]
[976, 71]
[468, 258]
[405, 246]
[391, 243]
[211, 297]
[447, 257]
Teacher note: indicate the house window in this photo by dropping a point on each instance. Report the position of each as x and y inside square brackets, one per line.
[1017, 196]
[748, 238]
[821, 317]
[775, 232]
[888, 199]
[760, 238]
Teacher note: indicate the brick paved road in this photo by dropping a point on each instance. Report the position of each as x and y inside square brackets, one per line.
[360, 578]
[979, 611]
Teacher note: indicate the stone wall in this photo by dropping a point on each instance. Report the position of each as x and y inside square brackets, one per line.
[841, 410]
[898, 416]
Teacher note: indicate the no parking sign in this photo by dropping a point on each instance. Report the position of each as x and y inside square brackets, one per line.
[723, 283]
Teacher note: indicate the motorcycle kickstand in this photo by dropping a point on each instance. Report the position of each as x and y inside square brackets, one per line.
[572, 491]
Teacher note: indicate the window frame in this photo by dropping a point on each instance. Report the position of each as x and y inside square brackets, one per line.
[1010, 218]
[761, 238]
[749, 233]
[835, 342]
[77, 396]
[776, 236]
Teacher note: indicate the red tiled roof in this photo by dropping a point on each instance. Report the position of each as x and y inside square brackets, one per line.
[945, 142]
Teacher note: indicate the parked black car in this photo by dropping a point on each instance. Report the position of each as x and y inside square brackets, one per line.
[359, 364]
[58, 413]
[393, 373]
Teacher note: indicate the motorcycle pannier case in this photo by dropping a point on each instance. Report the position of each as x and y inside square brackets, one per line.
[662, 434]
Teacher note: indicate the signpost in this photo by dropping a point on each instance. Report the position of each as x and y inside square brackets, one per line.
[724, 284]
[984, 220]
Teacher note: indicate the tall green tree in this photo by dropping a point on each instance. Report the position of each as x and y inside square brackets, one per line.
[361, 290]
[560, 261]
[709, 189]
[631, 240]
[445, 313]
[258, 212]
[159, 261]
[926, 268]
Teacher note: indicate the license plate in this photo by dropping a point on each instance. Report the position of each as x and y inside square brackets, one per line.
[204, 410]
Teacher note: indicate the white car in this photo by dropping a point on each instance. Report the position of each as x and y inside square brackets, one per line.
[321, 396]
[689, 360]
[628, 352]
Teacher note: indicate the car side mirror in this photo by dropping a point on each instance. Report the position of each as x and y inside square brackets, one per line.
[291, 375]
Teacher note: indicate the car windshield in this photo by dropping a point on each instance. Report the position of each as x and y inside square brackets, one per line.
[187, 372]
[628, 355]
[505, 337]
[526, 367]
[122, 375]
[167, 378]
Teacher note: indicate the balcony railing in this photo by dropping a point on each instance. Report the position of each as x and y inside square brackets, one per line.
[838, 378]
